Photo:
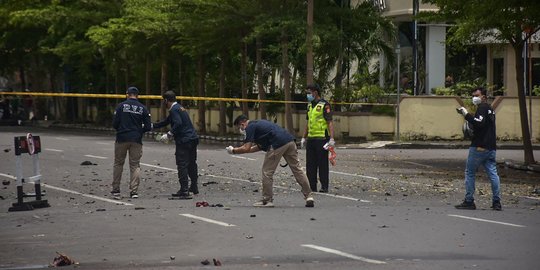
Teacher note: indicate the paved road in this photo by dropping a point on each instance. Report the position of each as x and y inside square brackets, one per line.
[388, 209]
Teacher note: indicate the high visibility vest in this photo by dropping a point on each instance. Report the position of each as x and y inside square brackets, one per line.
[317, 125]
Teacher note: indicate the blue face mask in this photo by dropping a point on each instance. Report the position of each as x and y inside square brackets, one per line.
[310, 97]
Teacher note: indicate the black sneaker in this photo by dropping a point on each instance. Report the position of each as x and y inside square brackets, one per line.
[182, 196]
[496, 206]
[466, 205]
[194, 190]
[116, 194]
[323, 190]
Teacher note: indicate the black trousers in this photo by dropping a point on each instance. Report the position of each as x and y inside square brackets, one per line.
[317, 159]
[186, 164]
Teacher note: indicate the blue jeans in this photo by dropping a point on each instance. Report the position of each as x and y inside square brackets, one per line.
[485, 158]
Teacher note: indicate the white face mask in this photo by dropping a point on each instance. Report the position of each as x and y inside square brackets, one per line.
[476, 100]
[242, 131]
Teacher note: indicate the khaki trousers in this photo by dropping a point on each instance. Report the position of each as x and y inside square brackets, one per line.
[135, 153]
[271, 161]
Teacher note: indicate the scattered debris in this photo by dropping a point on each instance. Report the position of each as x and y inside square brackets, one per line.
[101, 210]
[7, 150]
[139, 208]
[387, 194]
[86, 162]
[252, 215]
[202, 204]
[5, 182]
[205, 262]
[209, 183]
[312, 218]
[383, 226]
[172, 258]
[217, 262]
[62, 260]
[249, 236]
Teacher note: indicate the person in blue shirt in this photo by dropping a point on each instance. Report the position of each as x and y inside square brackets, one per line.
[277, 143]
[131, 120]
[186, 140]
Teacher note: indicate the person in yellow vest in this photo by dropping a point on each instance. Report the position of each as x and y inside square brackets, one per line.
[319, 131]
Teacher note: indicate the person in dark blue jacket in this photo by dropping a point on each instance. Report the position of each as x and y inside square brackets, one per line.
[131, 120]
[277, 143]
[186, 140]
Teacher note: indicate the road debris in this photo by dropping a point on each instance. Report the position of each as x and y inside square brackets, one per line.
[86, 162]
[62, 260]
[205, 262]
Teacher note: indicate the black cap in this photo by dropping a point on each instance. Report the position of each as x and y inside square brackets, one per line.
[132, 90]
[169, 96]
[240, 118]
[314, 86]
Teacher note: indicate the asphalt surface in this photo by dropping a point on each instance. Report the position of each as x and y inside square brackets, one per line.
[387, 209]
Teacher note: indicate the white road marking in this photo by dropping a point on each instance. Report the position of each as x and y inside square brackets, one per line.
[247, 181]
[86, 195]
[54, 150]
[487, 220]
[159, 167]
[74, 192]
[532, 198]
[343, 254]
[288, 188]
[243, 157]
[103, 143]
[61, 138]
[357, 175]
[8, 176]
[98, 157]
[418, 164]
[208, 220]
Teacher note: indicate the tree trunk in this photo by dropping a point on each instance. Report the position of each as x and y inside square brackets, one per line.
[201, 93]
[309, 47]
[260, 81]
[243, 65]
[222, 105]
[527, 144]
[147, 79]
[180, 88]
[163, 81]
[286, 81]
[22, 78]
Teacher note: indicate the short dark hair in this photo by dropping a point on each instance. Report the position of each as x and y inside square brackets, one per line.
[482, 90]
[240, 119]
[169, 96]
[314, 87]
[132, 91]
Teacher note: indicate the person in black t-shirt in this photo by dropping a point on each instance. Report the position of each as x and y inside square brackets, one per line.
[482, 151]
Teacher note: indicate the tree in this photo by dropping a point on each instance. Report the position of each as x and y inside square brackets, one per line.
[502, 20]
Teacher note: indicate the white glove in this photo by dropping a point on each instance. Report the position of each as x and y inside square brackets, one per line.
[302, 143]
[462, 111]
[331, 142]
[164, 138]
[230, 149]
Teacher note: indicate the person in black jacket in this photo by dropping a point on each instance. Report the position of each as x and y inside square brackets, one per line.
[482, 151]
[186, 140]
[131, 120]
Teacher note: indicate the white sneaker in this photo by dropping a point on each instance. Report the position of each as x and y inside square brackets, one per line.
[310, 202]
[134, 195]
[263, 204]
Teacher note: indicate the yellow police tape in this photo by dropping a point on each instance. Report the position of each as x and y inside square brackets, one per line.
[122, 96]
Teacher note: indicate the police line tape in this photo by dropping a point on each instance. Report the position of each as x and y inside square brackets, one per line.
[158, 97]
